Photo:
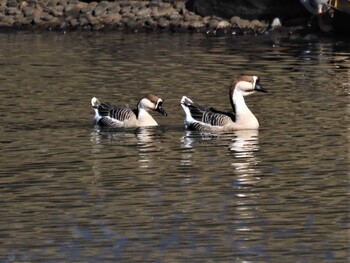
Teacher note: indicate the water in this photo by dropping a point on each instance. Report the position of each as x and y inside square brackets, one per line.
[73, 193]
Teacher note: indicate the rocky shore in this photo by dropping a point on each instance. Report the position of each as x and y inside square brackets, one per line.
[124, 14]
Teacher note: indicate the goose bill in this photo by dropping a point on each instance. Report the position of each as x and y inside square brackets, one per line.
[161, 109]
[259, 88]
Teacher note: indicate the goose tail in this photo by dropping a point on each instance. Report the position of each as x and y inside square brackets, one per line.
[186, 104]
[95, 102]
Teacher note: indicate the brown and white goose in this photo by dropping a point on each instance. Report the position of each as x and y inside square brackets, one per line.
[111, 116]
[211, 120]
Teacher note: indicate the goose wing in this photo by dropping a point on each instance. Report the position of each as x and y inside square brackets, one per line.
[210, 115]
[115, 116]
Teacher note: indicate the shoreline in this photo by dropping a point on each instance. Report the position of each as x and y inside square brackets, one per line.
[150, 15]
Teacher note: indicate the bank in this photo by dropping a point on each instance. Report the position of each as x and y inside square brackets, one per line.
[171, 15]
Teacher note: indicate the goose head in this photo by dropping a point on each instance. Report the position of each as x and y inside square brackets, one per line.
[246, 85]
[152, 102]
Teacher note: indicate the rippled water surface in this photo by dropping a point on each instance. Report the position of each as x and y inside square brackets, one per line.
[73, 193]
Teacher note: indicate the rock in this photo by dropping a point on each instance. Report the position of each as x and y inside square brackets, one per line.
[223, 24]
[57, 11]
[163, 23]
[12, 11]
[143, 13]
[196, 25]
[112, 19]
[191, 17]
[240, 23]
[162, 11]
[89, 8]
[101, 8]
[12, 3]
[7, 21]
[92, 20]
[173, 16]
[72, 10]
[113, 9]
[150, 24]
[125, 9]
[47, 17]
[3, 2]
[28, 11]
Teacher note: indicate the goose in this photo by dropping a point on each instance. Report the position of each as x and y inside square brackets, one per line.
[207, 119]
[111, 116]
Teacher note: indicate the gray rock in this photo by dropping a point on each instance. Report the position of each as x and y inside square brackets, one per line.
[74, 22]
[33, 2]
[112, 19]
[125, 9]
[196, 25]
[113, 9]
[100, 10]
[92, 20]
[151, 24]
[7, 21]
[28, 11]
[12, 3]
[72, 10]
[173, 16]
[163, 23]
[52, 3]
[89, 8]
[47, 17]
[12, 11]
[143, 13]
[3, 2]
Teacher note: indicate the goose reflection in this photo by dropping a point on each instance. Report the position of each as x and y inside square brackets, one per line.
[246, 176]
[147, 144]
[243, 148]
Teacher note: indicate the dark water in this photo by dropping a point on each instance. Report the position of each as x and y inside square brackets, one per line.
[72, 193]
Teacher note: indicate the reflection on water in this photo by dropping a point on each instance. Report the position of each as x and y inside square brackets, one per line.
[72, 192]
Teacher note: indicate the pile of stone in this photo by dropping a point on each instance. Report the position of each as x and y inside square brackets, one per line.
[124, 14]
